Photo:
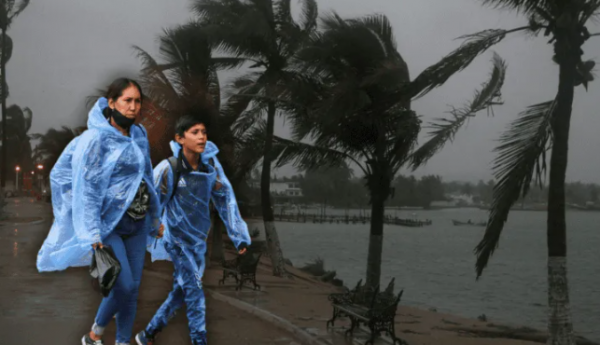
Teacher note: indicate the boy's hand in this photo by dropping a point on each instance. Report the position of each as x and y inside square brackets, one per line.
[161, 231]
[242, 251]
[96, 245]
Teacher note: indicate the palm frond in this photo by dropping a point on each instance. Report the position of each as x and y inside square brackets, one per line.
[380, 24]
[283, 11]
[522, 6]
[310, 14]
[403, 131]
[242, 29]
[590, 11]
[250, 148]
[20, 8]
[521, 158]
[305, 156]
[248, 118]
[444, 130]
[437, 74]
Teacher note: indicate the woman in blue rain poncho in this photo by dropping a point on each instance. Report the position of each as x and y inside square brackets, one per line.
[186, 220]
[103, 195]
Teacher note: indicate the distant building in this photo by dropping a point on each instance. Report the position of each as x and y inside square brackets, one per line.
[461, 197]
[282, 189]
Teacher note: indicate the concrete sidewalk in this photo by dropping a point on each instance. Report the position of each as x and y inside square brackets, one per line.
[58, 308]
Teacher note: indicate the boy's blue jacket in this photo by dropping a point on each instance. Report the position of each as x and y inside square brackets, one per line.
[186, 215]
[93, 183]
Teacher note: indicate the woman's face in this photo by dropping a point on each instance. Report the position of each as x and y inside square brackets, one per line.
[129, 104]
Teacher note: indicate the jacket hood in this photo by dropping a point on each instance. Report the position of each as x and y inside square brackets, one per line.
[210, 150]
[96, 119]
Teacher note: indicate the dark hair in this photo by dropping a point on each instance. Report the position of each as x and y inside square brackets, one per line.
[116, 88]
[185, 122]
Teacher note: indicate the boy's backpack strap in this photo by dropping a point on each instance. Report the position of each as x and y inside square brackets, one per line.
[176, 174]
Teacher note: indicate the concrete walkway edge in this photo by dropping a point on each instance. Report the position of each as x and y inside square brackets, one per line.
[277, 321]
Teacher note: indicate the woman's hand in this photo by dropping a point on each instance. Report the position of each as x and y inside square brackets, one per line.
[161, 231]
[96, 245]
[242, 251]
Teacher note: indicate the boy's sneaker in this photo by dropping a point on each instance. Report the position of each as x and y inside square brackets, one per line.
[86, 340]
[144, 339]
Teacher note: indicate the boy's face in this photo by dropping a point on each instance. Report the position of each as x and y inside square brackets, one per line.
[194, 139]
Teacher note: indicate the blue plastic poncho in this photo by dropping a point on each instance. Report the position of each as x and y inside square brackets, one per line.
[186, 215]
[92, 183]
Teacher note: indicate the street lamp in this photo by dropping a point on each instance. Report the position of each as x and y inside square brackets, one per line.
[40, 176]
[17, 169]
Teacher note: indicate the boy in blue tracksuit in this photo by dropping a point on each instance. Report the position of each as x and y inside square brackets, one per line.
[186, 223]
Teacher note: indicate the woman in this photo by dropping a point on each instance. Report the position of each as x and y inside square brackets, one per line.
[103, 194]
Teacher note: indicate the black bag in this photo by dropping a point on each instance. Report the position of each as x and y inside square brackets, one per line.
[105, 269]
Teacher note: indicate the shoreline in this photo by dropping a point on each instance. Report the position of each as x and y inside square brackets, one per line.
[303, 302]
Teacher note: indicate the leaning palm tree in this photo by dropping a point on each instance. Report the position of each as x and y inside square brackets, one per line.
[184, 80]
[264, 34]
[348, 101]
[541, 128]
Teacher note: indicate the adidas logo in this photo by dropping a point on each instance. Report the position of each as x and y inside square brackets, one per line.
[181, 183]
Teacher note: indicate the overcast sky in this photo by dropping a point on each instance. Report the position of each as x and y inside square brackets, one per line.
[65, 49]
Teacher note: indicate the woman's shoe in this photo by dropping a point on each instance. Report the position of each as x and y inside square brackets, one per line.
[144, 339]
[87, 340]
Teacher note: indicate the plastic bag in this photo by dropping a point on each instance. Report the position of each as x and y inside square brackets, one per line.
[105, 269]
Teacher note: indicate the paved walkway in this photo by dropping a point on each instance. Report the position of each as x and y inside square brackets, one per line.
[58, 308]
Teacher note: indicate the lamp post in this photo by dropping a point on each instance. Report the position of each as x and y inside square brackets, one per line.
[40, 176]
[17, 169]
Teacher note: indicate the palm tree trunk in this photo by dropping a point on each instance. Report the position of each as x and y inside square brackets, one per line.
[560, 326]
[3, 167]
[273, 244]
[379, 193]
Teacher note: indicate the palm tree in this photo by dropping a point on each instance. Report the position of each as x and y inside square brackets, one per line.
[18, 123]
[264, 34]
[542, 127]
[9, 9]
[52, 144]
[351, 101]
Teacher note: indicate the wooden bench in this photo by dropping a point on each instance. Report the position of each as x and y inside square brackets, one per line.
[242, 269]
[379, 317]
[368, 306]
[359, 296]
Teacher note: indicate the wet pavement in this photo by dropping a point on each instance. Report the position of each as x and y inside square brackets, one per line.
[59, 307]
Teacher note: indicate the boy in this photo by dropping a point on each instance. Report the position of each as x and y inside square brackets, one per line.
[186, 222]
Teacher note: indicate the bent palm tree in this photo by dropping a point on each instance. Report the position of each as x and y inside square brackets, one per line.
[264, 34]
[543, 127]
[348, 99]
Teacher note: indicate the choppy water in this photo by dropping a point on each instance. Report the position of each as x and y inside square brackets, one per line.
[435, 264]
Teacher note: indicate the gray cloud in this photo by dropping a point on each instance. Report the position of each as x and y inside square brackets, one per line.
[65, 49]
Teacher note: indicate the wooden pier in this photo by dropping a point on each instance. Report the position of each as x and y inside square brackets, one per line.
[346, 219]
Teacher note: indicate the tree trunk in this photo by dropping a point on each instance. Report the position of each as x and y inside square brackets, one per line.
[379, 185]
[375, 239]
[560, 325]
[272, 238]
[3, 167]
